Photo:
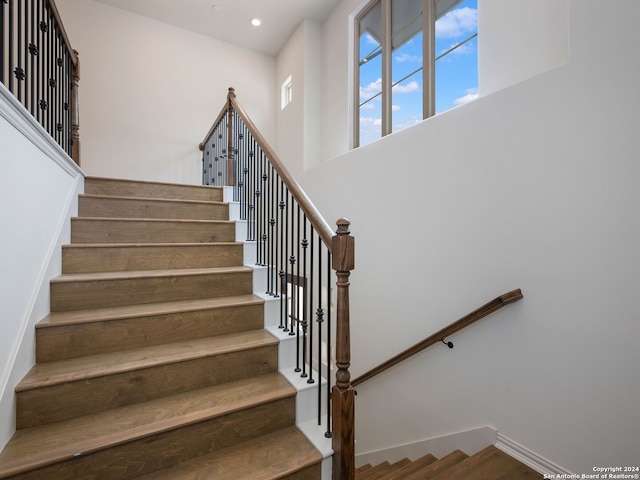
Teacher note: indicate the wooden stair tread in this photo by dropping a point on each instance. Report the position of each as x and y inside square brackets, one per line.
[177, 272]
[376, 471]
[154, 220]
[147, 244]
[434, 468]
[489, 463]
[159, 200]
[44, 445]
[82, 368]
[269, 457]
[92, 183]
[55, 319]
[414, 466]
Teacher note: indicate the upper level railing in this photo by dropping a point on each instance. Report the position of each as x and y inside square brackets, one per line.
[302, 257]
[40, 68]
[443, 334]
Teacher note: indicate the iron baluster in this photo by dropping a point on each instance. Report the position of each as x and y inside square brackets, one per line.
[303, 279]
[328, 433]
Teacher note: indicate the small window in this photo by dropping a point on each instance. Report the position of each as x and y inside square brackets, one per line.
[286, 93]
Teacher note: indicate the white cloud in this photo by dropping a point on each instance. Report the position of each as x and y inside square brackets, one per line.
[367, 106]
[405, 57]
[370, 90]
[408, 88]
[395, 108]
[471, 95]
[457, 22]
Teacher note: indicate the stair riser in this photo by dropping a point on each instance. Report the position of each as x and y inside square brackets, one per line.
[310, 473]
[139, 231]
[116, 207]
[149, 257]
[59, 402]
[61, 342]
[131, 459]
[126, 188]
[81, 295]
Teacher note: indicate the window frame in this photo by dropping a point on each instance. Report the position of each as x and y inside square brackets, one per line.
[428, 64]
[430, 10]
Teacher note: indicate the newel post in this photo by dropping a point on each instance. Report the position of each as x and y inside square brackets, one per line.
[343, 395]
[75, 111]
[230, 166]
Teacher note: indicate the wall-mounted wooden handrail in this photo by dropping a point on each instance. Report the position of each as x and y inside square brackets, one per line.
[442, 334]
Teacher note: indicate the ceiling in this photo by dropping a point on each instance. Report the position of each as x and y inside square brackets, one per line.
[230, 20]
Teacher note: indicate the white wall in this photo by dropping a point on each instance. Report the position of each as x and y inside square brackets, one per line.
[299, 124]
[150, 91]
[535, 187]
[38, 192]
[519, 39]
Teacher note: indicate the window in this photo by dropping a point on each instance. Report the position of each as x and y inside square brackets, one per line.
[395, 40]
[286, 93]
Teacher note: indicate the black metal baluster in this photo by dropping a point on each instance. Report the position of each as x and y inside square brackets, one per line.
[40, 62]
[298, 281]
[292, 257]
[320, 321]
[285, 288]
[242, 152]
[272, 240]
[67, 103]
[310, 313]
[2, 41]
[259, 209]
[11, 59]
[279, 238]
[58, 90]
[33, 53]
[48, 84]
[303, 280]
[327, 434]
[222, 152]
[19, 71]
[252, 175]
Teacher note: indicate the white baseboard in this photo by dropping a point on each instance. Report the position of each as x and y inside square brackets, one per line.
[529, 458]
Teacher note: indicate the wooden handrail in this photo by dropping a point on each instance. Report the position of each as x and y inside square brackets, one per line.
[319, 223]
[309, 209]
[72, 53]
[440, 335]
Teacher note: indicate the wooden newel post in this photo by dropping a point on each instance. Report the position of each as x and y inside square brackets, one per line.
[75, 111]
[343, 396]
[230, 165]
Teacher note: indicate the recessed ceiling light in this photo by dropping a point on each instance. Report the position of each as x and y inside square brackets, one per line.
[256, 22]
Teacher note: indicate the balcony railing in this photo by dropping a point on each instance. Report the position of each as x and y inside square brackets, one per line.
[40, 68]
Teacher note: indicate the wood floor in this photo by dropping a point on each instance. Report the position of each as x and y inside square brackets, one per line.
[154, 362]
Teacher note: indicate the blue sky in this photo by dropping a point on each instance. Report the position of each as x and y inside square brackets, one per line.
[456, 73]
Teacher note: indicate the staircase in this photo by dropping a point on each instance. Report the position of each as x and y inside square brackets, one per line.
[489, 463]
[154, 363]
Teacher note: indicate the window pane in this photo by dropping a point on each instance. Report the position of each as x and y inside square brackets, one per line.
[370, 73]
[456, 53]
[406, 63]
